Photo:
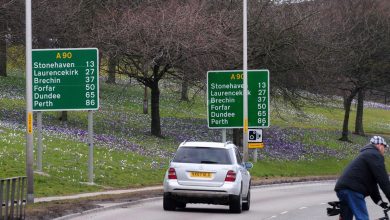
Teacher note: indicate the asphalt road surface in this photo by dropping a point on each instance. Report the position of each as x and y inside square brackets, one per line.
[276, 202]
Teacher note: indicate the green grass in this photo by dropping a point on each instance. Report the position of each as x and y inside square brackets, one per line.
[65, 157]
[65, 161]
[376, 121]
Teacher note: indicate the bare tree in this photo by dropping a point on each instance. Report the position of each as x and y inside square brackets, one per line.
[112, 66]
[11, 29]
[360, 44]
[73, 32]
[3, 42]
[359, 113]
[280, 40]
[155, 37]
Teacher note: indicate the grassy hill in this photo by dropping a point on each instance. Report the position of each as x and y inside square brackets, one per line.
[126, 155]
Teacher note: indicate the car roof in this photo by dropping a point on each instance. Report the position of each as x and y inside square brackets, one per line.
[224, 145]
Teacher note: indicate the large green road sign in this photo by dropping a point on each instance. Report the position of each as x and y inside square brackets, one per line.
[65, 79]
[225, 99]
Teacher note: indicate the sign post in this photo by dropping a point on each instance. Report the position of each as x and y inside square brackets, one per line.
[255, 140]
[29, 114]
[90, 145]
[39, 128]
[63, 80]
[245, 79]
[225, 99]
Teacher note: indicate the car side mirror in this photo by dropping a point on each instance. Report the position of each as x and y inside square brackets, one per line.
[248, 165]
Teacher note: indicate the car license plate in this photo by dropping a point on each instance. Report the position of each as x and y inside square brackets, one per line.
[200, 174]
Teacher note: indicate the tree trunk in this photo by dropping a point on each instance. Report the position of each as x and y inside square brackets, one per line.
[155, 111]
[237, 137]
[145, 109]
[3, 44]
[347, 108]
[112, 63]
[63, 116]
[184, 90]
[359, 114]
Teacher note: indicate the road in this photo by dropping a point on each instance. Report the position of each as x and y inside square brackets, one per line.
[276, 202]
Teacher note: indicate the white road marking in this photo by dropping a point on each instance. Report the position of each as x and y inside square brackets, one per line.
[303, 207]
[282, 213]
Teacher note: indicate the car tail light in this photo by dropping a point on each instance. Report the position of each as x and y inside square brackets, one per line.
[172, 174]
[230, 176]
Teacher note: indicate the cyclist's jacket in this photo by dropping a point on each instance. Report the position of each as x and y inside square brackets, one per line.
[364, 174]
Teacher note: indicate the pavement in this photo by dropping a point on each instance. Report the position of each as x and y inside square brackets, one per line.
[70, 206]
[111, 205]
[255, 182]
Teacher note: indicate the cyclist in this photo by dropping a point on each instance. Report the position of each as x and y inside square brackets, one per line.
[361, 178]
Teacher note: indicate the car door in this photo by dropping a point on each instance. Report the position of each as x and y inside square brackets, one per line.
[243, 170]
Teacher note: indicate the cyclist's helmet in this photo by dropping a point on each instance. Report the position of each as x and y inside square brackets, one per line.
[378, 140]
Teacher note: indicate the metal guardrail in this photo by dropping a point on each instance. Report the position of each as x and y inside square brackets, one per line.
[13, 198]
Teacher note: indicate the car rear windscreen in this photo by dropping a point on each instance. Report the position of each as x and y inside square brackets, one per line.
[202, 155]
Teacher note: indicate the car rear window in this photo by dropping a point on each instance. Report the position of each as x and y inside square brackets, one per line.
[202, 155]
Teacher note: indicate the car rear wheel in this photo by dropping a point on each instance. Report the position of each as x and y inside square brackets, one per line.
[247, 204]
[235, 203]
[168, 203]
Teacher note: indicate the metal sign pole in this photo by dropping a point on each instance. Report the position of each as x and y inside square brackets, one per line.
[224, 135]
[245, 83]
[29, 113]
[39, 156]
[90, 143]
[254, 155]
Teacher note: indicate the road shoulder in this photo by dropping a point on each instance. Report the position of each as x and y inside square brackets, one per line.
[65, 207]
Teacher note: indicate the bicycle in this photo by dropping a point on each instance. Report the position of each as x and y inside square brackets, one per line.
[385, 212]
[335, 210]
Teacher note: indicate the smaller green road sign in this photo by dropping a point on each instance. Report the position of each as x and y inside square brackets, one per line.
[65, 79]
[225, 99]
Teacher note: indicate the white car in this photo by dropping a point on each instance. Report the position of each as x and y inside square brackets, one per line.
[207, 172]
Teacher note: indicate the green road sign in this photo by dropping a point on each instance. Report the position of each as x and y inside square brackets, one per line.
[225, 99]
[65, 79]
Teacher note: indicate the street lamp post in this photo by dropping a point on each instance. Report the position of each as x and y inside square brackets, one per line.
[245, 83]
[29, 113]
